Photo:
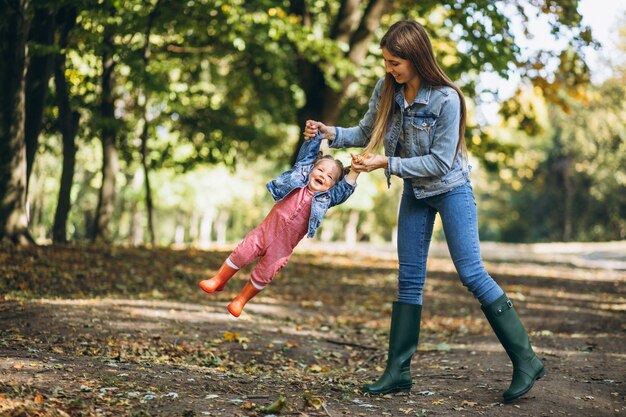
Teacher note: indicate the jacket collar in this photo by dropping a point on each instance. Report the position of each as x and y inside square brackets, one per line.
[422, 97]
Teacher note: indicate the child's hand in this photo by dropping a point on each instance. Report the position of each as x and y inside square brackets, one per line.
[312, 127]
[368, 162]
[358, 161]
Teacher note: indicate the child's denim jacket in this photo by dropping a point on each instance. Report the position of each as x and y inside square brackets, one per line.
[298, 177]
[420, 141]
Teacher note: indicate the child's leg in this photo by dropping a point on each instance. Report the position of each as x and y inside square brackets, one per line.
[245, 252]
[247, 293]
[263, 273]
[217, 283]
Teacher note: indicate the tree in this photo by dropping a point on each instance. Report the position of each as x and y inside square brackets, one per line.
[68, 125]
[40, 40]
[13, 182]
[110, 162]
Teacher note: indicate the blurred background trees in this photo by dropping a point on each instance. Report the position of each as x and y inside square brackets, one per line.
[158, 122]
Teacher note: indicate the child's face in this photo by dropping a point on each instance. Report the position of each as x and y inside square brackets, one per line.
[323, 176]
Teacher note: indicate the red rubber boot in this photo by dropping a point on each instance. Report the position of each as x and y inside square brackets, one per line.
[220, 279]
[246, 294]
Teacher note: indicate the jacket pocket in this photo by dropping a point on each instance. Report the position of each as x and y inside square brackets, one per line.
[452, 177]
[423, 129]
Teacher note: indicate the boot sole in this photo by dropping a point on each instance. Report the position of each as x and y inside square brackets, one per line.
[537, 378]
[389, 391]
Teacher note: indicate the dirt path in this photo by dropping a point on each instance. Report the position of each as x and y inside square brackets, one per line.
[305, 345]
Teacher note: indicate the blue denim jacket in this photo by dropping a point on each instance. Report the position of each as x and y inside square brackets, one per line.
[428, 131]
[298, 177]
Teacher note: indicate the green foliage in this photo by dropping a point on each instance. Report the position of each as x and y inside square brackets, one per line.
[567, 182]
[221, 83]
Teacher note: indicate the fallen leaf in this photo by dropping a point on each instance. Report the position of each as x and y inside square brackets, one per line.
[277, 406]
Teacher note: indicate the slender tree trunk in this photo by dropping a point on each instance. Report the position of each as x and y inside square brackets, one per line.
[221, 223]
[568, 203]
[179, 231]
[206, 229]
[136, 228]
[194, 227]
[37, 78]
[68, 124]
[328, 230]
[110, 163]
[145, 129]
[13, 182]
[146, 171]
[351, 228]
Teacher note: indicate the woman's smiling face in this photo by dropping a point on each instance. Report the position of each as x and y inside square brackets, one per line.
[401, 69]
[324, 175]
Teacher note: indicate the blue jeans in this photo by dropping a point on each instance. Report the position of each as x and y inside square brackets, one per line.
[457, 209]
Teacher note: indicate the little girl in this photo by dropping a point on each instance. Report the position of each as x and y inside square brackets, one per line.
[303, 194]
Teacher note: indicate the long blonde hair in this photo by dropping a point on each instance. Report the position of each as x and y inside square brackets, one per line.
[408, 40]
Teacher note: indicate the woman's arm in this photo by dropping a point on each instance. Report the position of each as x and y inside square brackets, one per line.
[358, 136]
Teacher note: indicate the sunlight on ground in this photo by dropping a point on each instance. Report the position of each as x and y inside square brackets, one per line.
[189, 312]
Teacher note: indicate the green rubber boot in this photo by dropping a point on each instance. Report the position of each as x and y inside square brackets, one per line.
[403, 336]
[527, 368]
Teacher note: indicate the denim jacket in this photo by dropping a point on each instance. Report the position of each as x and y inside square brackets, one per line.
[428, 131]
[298, 177]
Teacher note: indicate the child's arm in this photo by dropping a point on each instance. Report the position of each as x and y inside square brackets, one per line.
[309, 150]
[344, 188]
[351, 176]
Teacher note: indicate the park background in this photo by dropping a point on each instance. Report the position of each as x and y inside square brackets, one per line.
[136, 138]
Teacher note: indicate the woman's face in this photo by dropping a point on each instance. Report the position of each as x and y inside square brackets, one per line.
[401, 69]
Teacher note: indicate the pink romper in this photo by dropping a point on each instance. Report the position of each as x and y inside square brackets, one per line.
[276, 237]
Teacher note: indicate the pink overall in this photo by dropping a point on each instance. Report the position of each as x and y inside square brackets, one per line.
[276, 237]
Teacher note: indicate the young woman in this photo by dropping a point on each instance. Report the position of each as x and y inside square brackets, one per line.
[418, 116]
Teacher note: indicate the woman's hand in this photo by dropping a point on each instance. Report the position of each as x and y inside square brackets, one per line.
[368, 162]
[312, 127]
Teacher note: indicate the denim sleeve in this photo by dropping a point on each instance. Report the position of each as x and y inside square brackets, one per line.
[443, 149]
[340, 192]
[309, 150]
[359, 136]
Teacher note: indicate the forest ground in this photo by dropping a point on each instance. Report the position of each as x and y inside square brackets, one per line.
[99, 330]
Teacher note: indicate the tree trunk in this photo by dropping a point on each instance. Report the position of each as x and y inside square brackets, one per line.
[206, 229]
[145, 128]
[14, 56]
[110, 163]
[327, 231]
[136, 228]
[68, 124]
[146, 171]
[37, 78]
[179, 230]
[221, 223]
[568, 190]
[350, 231]
[323, 103]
